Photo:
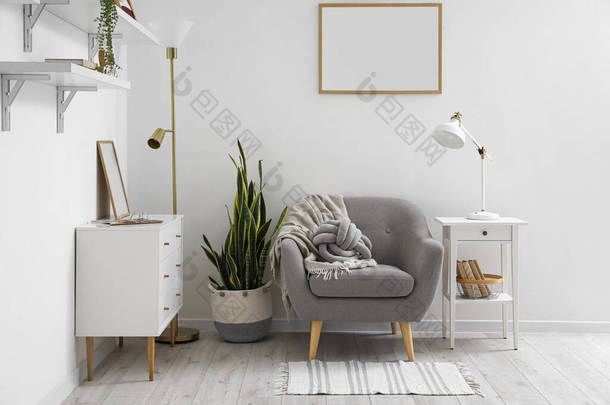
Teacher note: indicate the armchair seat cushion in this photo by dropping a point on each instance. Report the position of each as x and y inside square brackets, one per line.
[382, 281]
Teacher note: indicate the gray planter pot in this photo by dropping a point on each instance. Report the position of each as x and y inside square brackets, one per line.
[242, 316]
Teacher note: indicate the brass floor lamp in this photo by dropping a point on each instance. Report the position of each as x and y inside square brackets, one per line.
[173, 34]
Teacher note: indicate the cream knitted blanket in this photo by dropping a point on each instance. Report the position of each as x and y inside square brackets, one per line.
[302, 220]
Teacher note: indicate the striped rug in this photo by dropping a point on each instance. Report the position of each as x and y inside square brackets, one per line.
[365, 377]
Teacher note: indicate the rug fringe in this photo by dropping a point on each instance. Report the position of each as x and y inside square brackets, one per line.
[475, 386]
[280, 382]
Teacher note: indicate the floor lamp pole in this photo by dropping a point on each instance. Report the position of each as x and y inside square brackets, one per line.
[171, 55]
[183, 335]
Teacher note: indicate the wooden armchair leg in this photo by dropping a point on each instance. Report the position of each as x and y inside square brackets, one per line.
[394, 326]
[314, 338]
[405, 328]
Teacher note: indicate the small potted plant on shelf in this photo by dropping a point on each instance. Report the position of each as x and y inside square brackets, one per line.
[241, 301]
[106, 24]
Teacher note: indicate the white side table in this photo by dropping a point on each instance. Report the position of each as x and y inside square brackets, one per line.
[459, 229]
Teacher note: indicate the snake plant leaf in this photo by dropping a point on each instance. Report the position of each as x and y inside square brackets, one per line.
[228, 242]
[211, 257]
[250, 194]
[255, 209]
[243, 158]
[215, 283]
[260, 175]
[263, 209]
[279, 223]
[262, 231]
[236, 283]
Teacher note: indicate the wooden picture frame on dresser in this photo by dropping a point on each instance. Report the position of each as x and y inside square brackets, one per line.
[129, 282]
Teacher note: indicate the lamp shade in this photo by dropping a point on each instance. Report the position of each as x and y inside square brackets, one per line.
[171, 32]
[155, 141]
[450, 134]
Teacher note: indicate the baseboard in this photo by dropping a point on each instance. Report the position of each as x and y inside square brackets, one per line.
[78, 374]
[425, 328]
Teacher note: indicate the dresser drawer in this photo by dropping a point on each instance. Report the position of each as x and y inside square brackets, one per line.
[170, 275]
[169, 307]
[170, 238]
[483, 232]
[170, 284]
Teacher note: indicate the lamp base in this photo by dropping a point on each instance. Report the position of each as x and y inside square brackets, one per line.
[183, 335]
[483, 215]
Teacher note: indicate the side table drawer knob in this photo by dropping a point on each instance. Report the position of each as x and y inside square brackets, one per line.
[166, 308]
[484, 233]
[166, 244]
[166, 276]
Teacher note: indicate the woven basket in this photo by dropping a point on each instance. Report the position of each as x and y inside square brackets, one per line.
[488, 288]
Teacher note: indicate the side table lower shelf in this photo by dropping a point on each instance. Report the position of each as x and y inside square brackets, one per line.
[502, 297]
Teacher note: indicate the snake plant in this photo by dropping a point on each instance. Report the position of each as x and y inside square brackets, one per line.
[243, 258]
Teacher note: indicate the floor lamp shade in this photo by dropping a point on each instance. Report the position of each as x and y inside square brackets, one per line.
[171, 32]
[156, 139]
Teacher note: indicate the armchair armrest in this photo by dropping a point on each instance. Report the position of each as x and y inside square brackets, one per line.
[294, 273]
[422, 258]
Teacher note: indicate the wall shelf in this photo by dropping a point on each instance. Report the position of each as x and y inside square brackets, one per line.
[82, 14]
[19, 1]
[65, 74]
[67, 78]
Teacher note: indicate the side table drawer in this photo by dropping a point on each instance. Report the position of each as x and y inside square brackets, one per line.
[483, 232]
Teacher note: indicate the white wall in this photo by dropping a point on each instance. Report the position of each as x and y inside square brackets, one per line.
[49, 185]
[530, 77]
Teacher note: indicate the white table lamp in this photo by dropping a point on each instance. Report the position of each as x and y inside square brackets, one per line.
[453, 135]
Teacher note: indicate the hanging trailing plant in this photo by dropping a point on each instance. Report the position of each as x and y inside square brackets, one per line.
[106, 23]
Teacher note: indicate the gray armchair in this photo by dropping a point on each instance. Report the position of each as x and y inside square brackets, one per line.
[400, 289]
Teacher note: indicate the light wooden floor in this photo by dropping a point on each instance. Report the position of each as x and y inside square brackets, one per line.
[547, 368]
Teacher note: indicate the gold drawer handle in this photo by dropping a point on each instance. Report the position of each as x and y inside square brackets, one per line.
[166, 276]
[178, 236]
[178, 265]
[166, 244]
[166, 308]
[178, 294]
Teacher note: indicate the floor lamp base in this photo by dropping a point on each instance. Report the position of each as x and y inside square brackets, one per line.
[183, 335]
[482, 215]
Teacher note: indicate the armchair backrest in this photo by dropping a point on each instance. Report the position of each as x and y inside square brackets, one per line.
[390, 223]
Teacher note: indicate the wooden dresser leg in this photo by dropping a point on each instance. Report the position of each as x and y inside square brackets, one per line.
[151, 357]
[394, 326]
[173, 328]
[405, 328]
[120, 341]
[314, 338]
[89, 341]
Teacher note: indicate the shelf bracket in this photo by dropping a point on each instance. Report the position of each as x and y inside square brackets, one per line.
[64, 100]
[31, 13]
[10, 93]
[93, 46]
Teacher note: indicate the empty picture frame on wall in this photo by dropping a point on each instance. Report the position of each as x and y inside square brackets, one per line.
[380, 48]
